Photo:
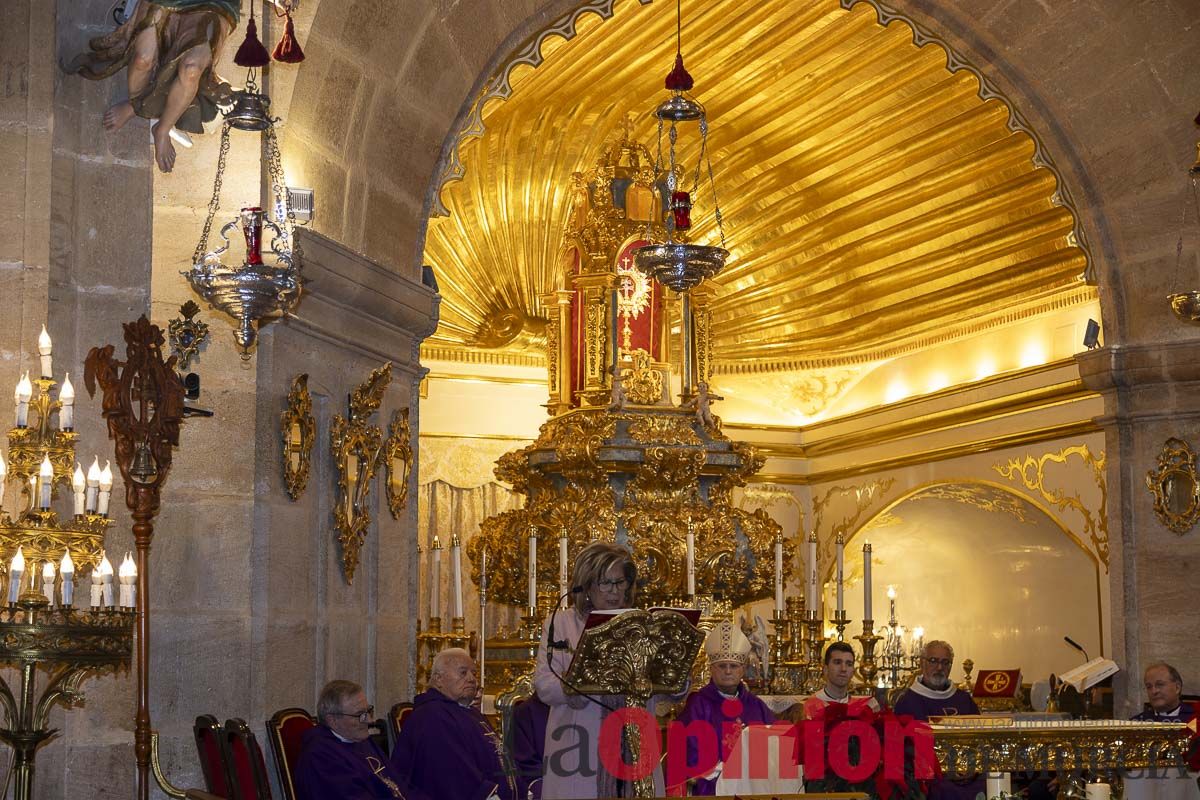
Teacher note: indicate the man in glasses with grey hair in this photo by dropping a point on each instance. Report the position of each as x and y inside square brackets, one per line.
[932, 694]
[338, 758]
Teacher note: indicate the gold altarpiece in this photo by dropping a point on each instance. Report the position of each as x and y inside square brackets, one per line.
[638, 462]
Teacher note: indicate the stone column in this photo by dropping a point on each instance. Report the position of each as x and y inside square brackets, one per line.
[1151, 393]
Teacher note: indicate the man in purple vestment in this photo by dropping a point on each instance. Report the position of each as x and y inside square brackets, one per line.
[725, 705]
[446, 747]
[933, 695]
[527, 745]
[338, 758]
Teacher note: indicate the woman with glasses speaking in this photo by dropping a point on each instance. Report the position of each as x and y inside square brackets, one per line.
[604, 580]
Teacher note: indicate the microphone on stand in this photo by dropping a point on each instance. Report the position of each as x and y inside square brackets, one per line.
[1077, 646]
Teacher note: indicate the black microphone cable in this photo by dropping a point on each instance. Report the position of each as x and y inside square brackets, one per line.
[552, 645]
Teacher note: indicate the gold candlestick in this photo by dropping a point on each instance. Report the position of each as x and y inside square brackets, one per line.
[779, 648]
[840, 621]
[814, 671]
[867, 669]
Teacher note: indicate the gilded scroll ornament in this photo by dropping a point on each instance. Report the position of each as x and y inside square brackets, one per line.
[663, 430]
[299, 429]
[356, 446]
[864, 496]
[397, 461]
[1175, 487]
[1031, 472]
[642, 382]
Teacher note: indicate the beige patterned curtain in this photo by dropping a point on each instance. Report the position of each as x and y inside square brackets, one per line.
[457, 492]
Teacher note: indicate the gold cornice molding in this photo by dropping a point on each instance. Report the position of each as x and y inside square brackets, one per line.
[941, 394]
[504, 379]
[469, 355]
[1034, 400]
[1059, 300]
[502, 437]
[957, 450]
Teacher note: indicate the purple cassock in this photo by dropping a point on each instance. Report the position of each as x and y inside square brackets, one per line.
[921, 702]
[449, 751]
[527, 745]
[710, 706]
[329, 767]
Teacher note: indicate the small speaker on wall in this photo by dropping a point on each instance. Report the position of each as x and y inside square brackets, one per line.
[1091, 337]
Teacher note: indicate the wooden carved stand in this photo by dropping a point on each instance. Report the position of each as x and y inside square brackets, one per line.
[143, 404]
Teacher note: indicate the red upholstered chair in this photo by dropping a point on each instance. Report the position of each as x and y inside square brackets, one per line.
[214, 755]
[247, 768]
[395, 721]
[285, 730]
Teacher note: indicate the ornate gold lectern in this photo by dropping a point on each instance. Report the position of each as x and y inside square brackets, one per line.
[637, 654]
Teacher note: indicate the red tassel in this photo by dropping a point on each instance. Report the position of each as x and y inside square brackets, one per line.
[252, 53]
[288, 50]
[678, 80]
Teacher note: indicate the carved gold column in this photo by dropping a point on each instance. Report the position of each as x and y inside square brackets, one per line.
[558, 350]
[595, 296]
[702, 332]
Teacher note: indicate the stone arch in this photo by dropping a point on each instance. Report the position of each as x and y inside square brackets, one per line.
[1056, 578]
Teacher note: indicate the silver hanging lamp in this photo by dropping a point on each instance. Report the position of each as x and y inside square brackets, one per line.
[678, 263]
[267, 282]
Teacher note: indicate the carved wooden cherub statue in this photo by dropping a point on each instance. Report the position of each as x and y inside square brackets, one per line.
[618, 390]
[167, 49]
[702, 403]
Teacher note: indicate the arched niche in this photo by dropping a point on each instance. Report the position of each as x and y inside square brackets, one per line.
[990, 571]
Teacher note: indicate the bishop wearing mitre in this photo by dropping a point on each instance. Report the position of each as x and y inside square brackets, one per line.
[725, 703]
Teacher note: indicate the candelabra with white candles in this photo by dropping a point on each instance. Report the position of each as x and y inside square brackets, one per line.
[43, 550]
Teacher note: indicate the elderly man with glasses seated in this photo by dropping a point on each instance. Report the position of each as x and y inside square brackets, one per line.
[933, 695]
[447, 748]
[338, 758]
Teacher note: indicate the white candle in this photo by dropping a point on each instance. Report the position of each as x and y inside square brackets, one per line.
[482, 612]
[45, 347]
[79, 485]
[435, 580]
[106, 582]
[3, 480]
[66, 414]
[97, 587]
[93, 486]
[456, 570]
[128, 577]
[891, 596]
[841, 570]
[106, 484]
[867, 581]
[66, 568]
[779, 576]
[16, 570]
[533, 568]
[563, 544]
[48, 582]
[24, 393]
[45, 482]
[813, 598]
[690, 546]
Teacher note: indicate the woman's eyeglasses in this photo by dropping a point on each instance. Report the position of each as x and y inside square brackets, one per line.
[607, 585]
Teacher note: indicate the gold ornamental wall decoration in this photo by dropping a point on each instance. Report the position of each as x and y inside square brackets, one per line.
[299, 429]
[1175, 486]
[397, 459]
[356, 444]
[1031, 472]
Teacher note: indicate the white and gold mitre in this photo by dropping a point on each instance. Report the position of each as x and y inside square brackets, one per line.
[726, 642]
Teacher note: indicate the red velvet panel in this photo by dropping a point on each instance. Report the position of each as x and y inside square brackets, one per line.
[213, 768]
